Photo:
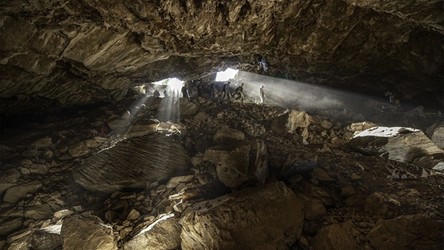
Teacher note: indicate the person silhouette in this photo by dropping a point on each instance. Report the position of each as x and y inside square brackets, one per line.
[239, 92]
[262, 94]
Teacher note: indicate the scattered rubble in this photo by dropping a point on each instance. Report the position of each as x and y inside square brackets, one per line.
[224, 176]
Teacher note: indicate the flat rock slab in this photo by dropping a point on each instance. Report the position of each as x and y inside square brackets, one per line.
[400, 143]
[265, 217]
[132, 164]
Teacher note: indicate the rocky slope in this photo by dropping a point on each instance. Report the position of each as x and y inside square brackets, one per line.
[83, 51]
[257, 177]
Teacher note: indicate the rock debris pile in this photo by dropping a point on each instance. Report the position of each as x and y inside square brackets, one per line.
[223, 176]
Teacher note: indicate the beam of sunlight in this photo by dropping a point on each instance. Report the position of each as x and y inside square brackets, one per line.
[169, 109]
[313, 98]
[226, 75]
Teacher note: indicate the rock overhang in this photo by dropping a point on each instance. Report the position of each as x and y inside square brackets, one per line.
[81, 51]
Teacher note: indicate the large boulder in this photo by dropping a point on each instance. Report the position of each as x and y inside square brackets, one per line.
[163, 234]
[87, 232]
[407, 232]
[336, 236]
[397, 143]
[46, 238]
[239, 163]
[290, 122]
[265, 217]
[133, 163]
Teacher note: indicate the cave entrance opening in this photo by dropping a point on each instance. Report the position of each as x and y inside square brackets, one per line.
[166, 87]
[223, 76]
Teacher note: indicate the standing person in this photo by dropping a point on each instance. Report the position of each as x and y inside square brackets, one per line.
[156, 93]
[239, 93]
[185, 93]
[262, 94]
[394, 101]
[225, 91]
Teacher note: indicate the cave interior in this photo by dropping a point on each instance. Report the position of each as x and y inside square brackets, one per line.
[223, 124]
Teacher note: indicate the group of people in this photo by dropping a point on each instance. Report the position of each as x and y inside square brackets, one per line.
[225, 91]
[238, 93]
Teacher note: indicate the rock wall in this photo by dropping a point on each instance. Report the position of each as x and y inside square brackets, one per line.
[83, 51]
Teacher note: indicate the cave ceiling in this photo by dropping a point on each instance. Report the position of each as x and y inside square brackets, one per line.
[85, 51]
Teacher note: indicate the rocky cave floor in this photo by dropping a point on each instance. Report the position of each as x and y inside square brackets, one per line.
[258, 177]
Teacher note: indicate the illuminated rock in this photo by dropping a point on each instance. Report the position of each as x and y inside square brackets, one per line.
[163, 234]
[87, 232]
[46, 238]
[292, 122]
[265, 217]
[397, 143]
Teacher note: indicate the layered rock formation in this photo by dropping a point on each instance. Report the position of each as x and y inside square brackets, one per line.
[81, 51]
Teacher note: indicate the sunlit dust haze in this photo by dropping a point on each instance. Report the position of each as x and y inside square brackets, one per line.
[304, 96]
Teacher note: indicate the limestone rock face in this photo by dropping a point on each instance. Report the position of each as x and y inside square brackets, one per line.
[407, 232]
[92, 51]
[265, 217]
[87, 232]
[400, 144]
[132, 164]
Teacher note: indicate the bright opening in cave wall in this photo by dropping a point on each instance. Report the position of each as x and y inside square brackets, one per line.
[226, 75]
[173, 84]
